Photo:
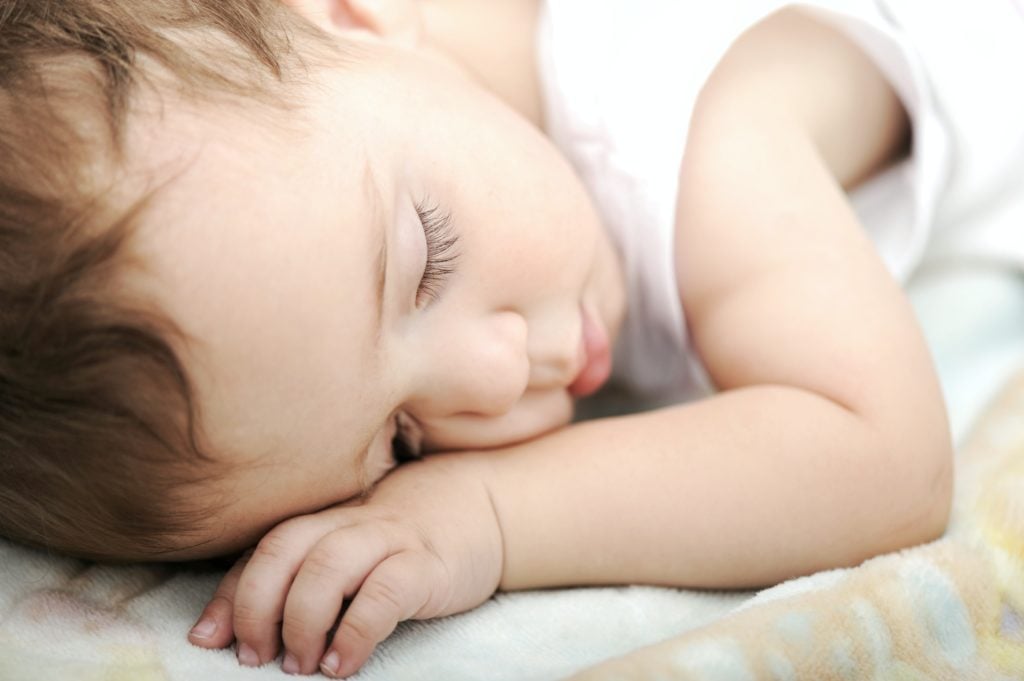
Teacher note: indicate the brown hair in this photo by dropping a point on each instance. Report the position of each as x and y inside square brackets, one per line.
[98, 428]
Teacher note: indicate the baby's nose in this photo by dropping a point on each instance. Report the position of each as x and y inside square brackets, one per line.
[555, 363]
[484, 370]
[555, 348]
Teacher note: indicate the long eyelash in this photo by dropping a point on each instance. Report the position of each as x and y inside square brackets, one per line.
[441, 251]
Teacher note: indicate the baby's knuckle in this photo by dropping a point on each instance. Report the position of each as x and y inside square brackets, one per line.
[324, 563]
[297, 628]
[247, 616]
[360, 628]
[385, 594]
[272, 547]
[291, 525]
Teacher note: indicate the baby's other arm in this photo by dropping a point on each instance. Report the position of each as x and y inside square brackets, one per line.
[829, 442]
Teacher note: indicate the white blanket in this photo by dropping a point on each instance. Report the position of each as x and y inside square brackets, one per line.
[67, 619]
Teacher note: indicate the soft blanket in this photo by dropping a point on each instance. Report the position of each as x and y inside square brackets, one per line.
[949, 610]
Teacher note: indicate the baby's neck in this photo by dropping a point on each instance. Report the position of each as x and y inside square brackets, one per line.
[495, 41]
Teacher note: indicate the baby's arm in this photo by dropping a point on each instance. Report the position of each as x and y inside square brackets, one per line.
[829, 441]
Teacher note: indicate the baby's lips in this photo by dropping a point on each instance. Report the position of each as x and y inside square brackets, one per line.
[598, 364]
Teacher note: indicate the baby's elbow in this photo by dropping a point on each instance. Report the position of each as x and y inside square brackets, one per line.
[928, 491]
[937, 505]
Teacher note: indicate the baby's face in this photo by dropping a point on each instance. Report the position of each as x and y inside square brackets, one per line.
[409, 253]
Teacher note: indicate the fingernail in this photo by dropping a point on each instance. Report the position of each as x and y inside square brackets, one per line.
[290, 664]
[247, 656]
[204, 629]
[329, 665]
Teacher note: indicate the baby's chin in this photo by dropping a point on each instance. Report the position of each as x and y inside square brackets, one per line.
[537, 414]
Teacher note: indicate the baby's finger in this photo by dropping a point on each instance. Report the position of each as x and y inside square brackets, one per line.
[214, 627]
[263, 586]
[395, 591]
[332, 571]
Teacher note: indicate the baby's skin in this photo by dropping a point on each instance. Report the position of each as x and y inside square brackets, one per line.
[412, 259]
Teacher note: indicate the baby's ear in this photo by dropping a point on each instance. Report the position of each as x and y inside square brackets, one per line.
[395, 21]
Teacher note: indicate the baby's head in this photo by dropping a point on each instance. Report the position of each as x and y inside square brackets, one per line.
[243, 248]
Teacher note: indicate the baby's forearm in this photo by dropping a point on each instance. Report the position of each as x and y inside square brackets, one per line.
[828, 443]
[743, 489]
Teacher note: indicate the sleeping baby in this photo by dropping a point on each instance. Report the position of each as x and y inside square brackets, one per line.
[329, 279]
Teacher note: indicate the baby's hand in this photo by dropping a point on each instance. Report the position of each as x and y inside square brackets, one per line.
[426, 543]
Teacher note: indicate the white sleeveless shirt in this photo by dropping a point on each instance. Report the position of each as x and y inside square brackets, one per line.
[620, 78]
